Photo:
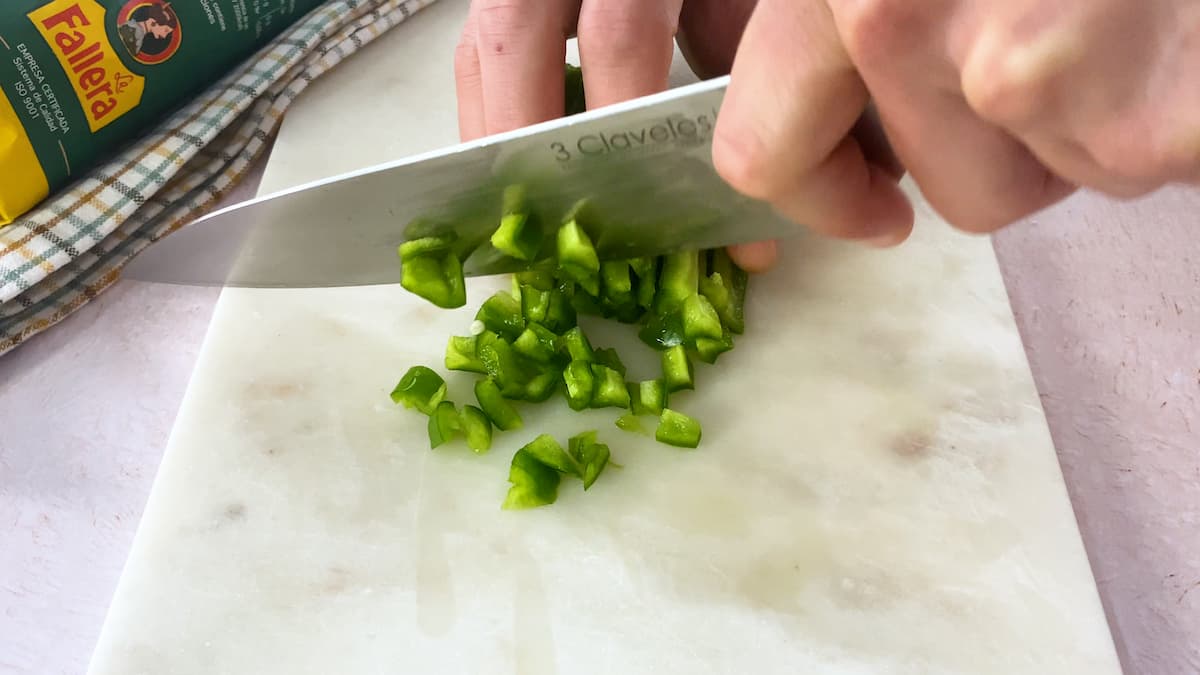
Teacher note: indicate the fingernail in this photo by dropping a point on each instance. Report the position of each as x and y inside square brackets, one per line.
[889, 240]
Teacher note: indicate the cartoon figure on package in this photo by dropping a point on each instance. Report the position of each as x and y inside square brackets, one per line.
[149, 30]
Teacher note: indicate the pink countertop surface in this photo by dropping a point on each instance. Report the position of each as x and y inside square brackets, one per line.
[1107, 296]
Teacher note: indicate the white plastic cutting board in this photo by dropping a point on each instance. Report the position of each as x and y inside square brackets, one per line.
[876, 491]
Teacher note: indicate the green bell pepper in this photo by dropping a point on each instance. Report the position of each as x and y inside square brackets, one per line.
[676, 428]
[537, 343]
[647, 397]
[577, 345]
[477, 428]
[581, 384]
[547, 451]
[517, 237]
[501, 313]
[590, 455]
[444, 424]
[700, 320]
[678, 373]
[461, 354]
[499, 410]
[610, 391]
[577, 258]
[420, 388]
[533, 483]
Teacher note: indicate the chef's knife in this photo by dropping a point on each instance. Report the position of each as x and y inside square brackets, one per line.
[638, 175]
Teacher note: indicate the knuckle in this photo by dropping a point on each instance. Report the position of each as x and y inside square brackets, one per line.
[1007, 80]
[743, 161]
[624, 25]
[1000, 92]
[873, 29]
[465, 56]
[498, 21]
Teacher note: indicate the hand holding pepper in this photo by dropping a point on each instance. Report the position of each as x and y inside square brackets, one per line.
[997, 108]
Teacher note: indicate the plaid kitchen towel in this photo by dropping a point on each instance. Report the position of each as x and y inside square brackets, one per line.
[72, 246]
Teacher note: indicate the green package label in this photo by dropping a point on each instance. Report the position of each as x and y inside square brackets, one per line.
[79, 78]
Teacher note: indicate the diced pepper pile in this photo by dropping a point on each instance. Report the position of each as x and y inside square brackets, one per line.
[527, 345]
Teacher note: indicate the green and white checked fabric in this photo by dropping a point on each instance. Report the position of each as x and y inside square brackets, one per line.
[72, 246]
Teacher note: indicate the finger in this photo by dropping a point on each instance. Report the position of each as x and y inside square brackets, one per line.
[625, 48]
[1076, 165]
[522, 48]
[709, 33]
[1089, 88]
[782, 131]
[873, 140]
[468, 83]
[869, 132]
[754, 257]
[974, 174]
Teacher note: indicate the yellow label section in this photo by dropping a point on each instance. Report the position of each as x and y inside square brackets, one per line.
[24, 183]
[74, 29]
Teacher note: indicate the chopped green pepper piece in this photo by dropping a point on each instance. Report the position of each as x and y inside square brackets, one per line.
[587, 304]
[645, 292]
[577, 257]
[420, 388]
[644, 267]
[574, 97]
[676, 428]
[505, 367]
[436, 276]
[631, 423]
[547, 451]
[609, 357]
[515, 292]
[501, 313]
[540, 275]
[517, 237]
[537, 343]
[678, 280]
[444, 424]
[541, 386]
[591, 456]
[628, 312]
[461, 354]
[707, 349]
[647, 397]
[560, 314]
[477, 428]
[662, 331]
[535, 303]
[484, 339]
[514, 200]
[533, 483]
[715, 289]
[581, 384]
[700, 320]
[577, 345]
[496, 407]
[610, 391]
[731, 300]
[424, 246]
[618, 286]
[678, 373]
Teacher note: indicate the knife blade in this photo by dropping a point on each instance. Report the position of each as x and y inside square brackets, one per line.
[637, 175]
